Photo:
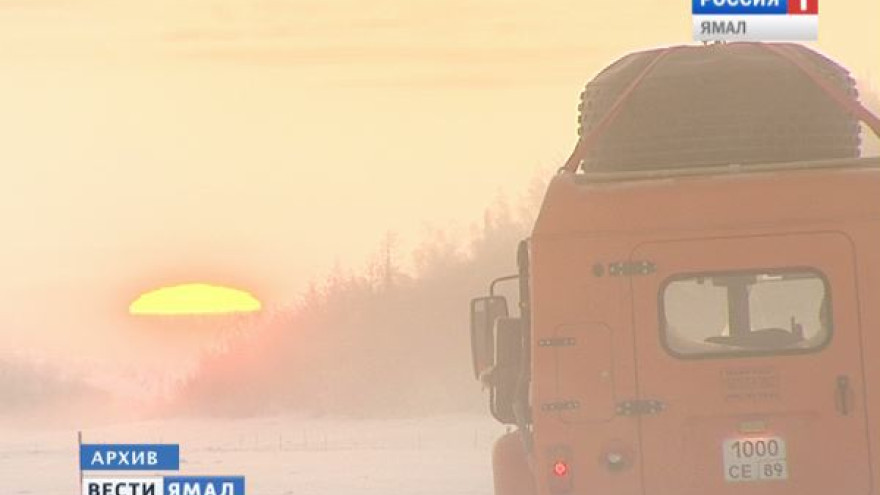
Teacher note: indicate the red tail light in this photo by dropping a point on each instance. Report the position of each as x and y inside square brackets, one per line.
[560, 468]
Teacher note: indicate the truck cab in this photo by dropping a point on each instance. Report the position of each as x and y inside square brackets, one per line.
[692, 331]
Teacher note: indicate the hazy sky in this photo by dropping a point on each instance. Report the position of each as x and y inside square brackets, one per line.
[258, 142]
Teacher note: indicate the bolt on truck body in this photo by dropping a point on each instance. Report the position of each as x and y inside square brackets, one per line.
[703, 330]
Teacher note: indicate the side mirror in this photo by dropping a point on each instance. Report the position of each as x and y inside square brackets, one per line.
[484, 312]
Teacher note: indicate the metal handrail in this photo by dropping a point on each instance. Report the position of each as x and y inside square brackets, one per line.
[851, 163]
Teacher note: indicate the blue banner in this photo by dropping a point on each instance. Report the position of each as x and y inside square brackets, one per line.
[739, 7]
[204, 485]
[129, 457]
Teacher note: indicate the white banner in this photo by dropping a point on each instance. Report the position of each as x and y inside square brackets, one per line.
[123, 486]
[756, 27]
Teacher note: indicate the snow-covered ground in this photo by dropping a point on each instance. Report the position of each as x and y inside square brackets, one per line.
[277, 455]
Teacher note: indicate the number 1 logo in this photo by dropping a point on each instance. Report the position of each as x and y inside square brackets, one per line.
[809, 7]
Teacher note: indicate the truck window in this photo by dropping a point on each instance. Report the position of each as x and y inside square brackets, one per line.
[734, 313]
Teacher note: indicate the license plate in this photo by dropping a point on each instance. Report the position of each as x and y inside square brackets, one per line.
[754, 459]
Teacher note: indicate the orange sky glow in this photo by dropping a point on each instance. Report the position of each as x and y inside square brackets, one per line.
[255, 144]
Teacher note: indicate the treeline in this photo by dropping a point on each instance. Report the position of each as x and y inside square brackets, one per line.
[380, 342]
[28, 383]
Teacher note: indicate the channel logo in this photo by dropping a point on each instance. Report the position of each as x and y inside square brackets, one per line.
[146, 457]
[755, 20]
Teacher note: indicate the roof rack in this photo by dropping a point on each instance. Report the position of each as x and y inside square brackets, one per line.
[846, 102]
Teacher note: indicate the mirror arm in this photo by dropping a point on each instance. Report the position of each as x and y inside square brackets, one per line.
[499, 280]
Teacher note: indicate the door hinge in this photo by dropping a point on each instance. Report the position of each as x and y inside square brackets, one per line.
[640, 407]
[557, 342]
[631, 268]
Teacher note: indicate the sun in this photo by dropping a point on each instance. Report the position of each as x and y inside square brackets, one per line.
[194, 299]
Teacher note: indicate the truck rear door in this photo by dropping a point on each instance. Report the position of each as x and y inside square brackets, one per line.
[749, 366]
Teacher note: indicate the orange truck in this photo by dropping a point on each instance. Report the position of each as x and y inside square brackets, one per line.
[709, 328]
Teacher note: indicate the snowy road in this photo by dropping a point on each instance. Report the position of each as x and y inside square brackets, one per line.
[279, 455]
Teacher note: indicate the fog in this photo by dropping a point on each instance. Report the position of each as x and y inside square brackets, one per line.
[362, 168]
[362, 384]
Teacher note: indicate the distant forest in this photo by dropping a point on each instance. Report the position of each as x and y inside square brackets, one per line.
[379, 342]
[26, 383]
